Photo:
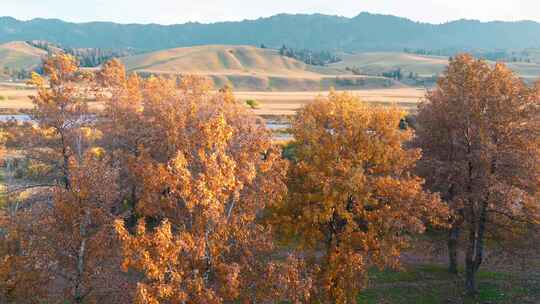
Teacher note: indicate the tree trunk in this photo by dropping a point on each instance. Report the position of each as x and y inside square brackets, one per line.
[470, 281]
[470, 271]
[470, 265]
[65, 164]
[475, 247]
[480, 236]
[80, 269]
[453, 236]
[79, 297]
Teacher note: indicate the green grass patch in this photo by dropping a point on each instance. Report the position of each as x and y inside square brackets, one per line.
[489, 292]
[491, 275]
[427, 284]
[405, 295]
[436, 271]
[391, 276]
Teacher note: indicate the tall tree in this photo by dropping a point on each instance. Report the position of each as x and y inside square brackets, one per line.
[19, 271]
[479, 132]
[60, 118]
[68, 221]
[207, 170]
[352, 199]
[76, 235]
[121, 123]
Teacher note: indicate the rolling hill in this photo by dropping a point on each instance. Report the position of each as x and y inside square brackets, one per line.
[375, 63]
[218, 59]
[365, 32]
[379, 62]
[249, 68]
[20, 55]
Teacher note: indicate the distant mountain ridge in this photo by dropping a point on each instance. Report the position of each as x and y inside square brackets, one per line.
[365, 32]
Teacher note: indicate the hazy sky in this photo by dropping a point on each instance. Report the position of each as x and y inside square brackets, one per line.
[180, 11]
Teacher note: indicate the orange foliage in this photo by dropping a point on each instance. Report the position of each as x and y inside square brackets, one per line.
[183, 188]
[480, 133]
[63, 230]
[205, 170]
[352, 201]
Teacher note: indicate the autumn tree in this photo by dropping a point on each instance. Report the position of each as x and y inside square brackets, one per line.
[352, 199]
[18, 270]
[479, 132]
[67, 231]
[76, 233]
[121, 121]
[59, 120]
[206, 170]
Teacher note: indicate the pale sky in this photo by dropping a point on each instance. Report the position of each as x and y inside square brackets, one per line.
[181, 11]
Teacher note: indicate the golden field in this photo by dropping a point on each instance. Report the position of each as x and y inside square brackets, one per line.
[15, 97]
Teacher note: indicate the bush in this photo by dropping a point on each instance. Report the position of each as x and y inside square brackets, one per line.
[252, 103]
[289, 151]
[411, 121]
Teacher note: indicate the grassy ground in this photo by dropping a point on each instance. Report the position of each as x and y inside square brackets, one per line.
[432, 284]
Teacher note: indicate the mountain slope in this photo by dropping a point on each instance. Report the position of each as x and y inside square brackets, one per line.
[20, 55]
[365, 32]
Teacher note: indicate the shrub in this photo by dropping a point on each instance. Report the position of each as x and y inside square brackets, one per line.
[252, 103]
[289, 151]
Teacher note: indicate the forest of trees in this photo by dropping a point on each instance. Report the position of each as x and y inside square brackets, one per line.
[18, 74]
[493, 55]
[364, 32]
[173, 193]
[310, 57]
[93, 57]
[87, 57]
